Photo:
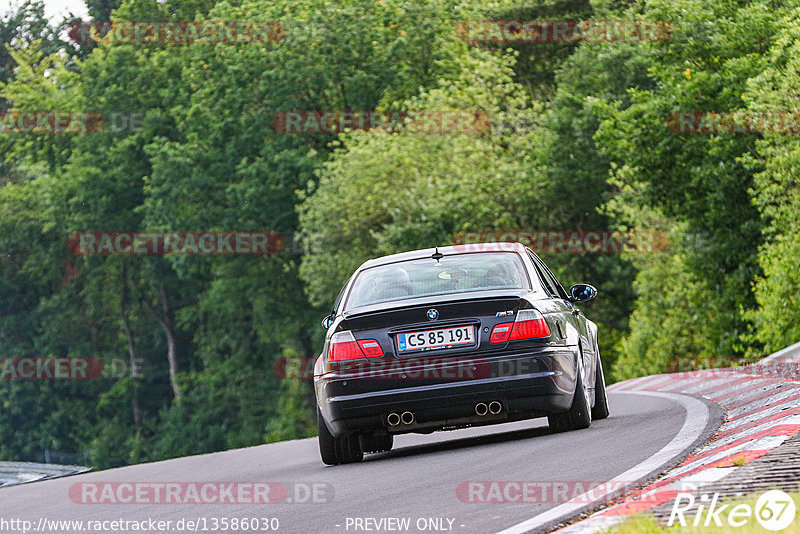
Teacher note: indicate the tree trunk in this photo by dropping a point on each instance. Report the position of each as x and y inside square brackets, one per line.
[126, 327]
[165, 318]
[168, 324]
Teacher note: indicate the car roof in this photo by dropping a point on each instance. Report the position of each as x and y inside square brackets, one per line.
[467, 248]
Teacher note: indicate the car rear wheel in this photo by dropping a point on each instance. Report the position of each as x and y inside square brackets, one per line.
[600, 409]
[579, 414]
[335, 451]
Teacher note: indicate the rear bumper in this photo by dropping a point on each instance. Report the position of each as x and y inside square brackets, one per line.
[443, 393]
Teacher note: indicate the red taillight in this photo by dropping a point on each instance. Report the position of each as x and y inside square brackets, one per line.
[371, 348]
[529, 325]
[343, 346]
[500, 332]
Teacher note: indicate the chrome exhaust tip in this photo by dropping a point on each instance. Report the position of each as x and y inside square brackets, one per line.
[495, 407]
[481, 409]
[407, 418]
[393, 419]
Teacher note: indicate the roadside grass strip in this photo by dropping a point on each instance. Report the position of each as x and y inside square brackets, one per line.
[645, 524]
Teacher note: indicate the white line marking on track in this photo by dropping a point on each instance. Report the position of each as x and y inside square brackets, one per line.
[697, 415]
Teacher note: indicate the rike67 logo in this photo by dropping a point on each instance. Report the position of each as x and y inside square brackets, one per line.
[774, 510]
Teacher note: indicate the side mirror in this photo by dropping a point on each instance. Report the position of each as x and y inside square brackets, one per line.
[582, 292]
[327, 322]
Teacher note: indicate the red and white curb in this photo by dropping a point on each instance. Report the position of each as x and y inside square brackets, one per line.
[762, 403]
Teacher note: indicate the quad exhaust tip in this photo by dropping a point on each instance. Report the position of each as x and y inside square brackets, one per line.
[395, 418]
[481, 409]
[494, 408]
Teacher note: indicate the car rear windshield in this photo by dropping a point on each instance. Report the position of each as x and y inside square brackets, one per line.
[426, 277]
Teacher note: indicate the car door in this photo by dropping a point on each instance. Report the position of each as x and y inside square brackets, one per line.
[554, 307]
[577, 332]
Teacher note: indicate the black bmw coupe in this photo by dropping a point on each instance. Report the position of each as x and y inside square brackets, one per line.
[453, 337]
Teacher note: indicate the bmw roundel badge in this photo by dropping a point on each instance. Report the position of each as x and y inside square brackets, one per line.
[433, 314]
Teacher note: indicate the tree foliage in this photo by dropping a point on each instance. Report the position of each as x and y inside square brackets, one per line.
[578, 139]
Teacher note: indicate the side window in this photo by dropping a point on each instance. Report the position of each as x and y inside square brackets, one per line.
[559, 288]
[338, 300]
[547, 283]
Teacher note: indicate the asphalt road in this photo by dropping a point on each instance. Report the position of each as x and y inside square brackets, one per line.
[424, 479]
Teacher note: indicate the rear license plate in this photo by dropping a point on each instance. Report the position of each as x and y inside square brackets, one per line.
[441, 338]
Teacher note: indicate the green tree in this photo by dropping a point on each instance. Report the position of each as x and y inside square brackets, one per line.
[776, 191]
[697, 179]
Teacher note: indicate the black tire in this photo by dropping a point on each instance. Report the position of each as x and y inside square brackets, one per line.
[335, 451]
[579, 414]
[600, 409]
[327, 443]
